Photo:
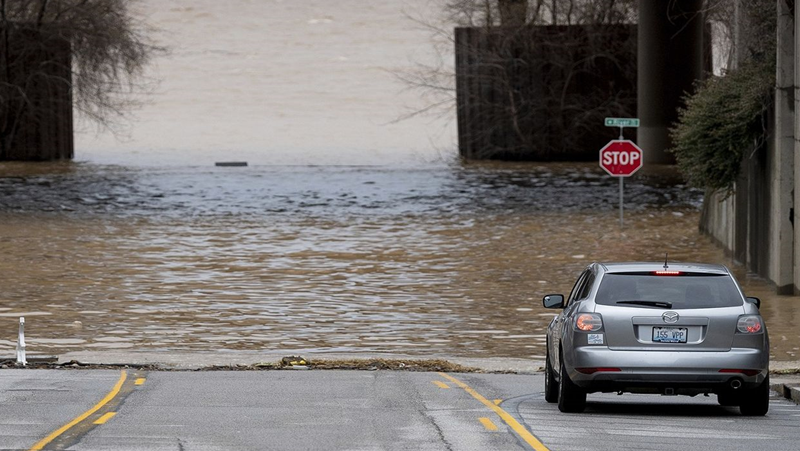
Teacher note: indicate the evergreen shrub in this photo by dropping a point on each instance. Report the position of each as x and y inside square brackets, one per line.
[723, 123]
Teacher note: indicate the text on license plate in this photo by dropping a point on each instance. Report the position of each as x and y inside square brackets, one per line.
[670, 334]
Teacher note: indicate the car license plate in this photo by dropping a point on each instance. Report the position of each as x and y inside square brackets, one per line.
[670, 334]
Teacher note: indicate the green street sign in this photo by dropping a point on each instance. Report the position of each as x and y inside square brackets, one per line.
[621, 122]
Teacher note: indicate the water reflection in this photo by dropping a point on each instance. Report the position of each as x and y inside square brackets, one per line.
[421, 261]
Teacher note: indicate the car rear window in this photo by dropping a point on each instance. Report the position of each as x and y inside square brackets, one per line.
[686, 291]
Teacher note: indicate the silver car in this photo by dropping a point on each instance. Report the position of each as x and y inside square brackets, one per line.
[673, 329]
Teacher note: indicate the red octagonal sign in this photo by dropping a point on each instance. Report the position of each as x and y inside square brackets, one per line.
[621, 158]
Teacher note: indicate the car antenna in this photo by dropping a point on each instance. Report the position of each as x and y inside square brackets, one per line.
[666, 257]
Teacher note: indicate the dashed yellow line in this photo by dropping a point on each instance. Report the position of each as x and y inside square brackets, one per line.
[107, 416]
[441, 384]
[487, 423]
[523, 433]
[140, 381]
[54, 435]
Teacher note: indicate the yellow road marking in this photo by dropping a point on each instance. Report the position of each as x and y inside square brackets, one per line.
[114, 391]
[441, 384]
[497, 402]
[140, 381]
[487, 423]
[107, 416]
[505, 416]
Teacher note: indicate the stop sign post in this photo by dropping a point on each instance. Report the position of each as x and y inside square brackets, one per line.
[621, 158]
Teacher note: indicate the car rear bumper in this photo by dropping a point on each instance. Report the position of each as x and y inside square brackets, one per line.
[679, 372]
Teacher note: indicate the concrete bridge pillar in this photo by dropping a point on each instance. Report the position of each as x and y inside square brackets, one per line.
[783, 159]
[795, 212]
[670, 60]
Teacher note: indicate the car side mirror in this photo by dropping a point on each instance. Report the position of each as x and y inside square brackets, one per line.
[553, 301]
[756, 301]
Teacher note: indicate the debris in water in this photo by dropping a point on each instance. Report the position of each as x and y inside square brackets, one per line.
[294, 360]
[229, 164]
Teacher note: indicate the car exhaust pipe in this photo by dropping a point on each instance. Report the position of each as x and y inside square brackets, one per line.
[736, 384]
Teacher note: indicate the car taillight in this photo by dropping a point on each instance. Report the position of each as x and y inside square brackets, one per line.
[749, 324]
[667, 273]
[738, 371]
[588, 322]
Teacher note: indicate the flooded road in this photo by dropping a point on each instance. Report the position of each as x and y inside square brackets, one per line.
[144, 245]
[449, 260]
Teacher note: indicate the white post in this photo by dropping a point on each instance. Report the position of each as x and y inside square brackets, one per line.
[621, 183]
[621, 221]
[21, 343]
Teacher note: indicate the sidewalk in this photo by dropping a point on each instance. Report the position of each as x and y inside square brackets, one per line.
[787, 386]
[203, 360]
[785, 377]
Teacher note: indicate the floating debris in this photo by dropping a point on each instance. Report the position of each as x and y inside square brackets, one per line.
[294, 361]
[230, 163]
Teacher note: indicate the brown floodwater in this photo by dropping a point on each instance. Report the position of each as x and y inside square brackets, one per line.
[450, 260]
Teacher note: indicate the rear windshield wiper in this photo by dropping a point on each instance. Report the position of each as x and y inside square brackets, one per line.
[648, 303]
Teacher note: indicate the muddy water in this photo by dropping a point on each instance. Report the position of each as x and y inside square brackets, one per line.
[450, 260]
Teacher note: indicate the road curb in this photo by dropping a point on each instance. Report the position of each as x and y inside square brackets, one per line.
[788, 391]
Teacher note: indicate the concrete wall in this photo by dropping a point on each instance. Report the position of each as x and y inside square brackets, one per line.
[756, 225]
[518, 90]
[717, 220]
[36, 122]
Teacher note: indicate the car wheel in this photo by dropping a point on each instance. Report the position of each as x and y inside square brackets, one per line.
[571, 398]
[550, 383]
[755, 402]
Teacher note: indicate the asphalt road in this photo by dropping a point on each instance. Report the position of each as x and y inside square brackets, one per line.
[357, 410]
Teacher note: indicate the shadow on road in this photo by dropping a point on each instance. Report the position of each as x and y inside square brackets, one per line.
[660, 409]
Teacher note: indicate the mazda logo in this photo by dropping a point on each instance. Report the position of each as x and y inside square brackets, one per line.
[670, 317]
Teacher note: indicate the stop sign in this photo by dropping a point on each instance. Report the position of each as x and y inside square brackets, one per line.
[621, 158]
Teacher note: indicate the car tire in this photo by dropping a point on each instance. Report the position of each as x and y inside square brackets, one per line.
[571, 398]
[550, 382]
[755, 402]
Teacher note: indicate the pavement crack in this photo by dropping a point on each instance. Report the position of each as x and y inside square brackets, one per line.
[448, 445]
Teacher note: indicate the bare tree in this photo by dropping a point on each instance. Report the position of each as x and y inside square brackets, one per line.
[475, 13]
[106, 48]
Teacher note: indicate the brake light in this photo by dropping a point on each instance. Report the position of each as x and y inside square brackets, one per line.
[667, 273]
[749, 324]
[736, 371]
[588, 322]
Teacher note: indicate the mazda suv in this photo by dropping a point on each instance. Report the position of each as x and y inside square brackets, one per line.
[669, 329]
